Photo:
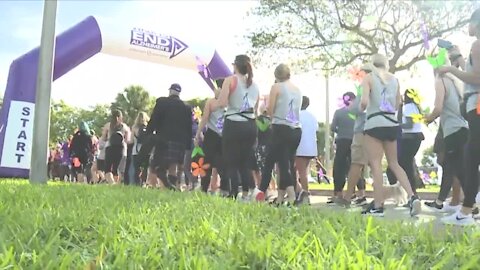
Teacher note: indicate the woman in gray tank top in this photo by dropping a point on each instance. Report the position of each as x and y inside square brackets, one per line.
[454, 132]
[471, 78]
[212, 141]
[285, 100]
[239, 95]
[381, 99]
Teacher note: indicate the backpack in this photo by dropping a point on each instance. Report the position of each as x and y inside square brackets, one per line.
[116, 138]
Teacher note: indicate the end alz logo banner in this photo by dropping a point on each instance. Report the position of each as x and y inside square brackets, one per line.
[151, 40]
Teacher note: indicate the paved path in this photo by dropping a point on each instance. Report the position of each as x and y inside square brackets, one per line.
[394, 213]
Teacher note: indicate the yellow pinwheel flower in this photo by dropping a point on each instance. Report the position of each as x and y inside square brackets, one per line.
[417, 118]
[197, 113]
[414, 95]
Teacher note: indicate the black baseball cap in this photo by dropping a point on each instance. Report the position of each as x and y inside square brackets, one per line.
[175, 87]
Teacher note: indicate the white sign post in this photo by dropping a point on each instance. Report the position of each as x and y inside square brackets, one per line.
[41, 125]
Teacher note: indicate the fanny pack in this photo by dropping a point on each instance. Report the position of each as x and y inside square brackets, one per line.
[242, 114]
[384, 114]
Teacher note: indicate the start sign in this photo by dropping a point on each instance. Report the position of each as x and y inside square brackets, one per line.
[17, 147]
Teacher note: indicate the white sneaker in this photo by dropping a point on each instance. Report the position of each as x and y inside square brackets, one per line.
[257, 195]
[459, 219]
[447, 208]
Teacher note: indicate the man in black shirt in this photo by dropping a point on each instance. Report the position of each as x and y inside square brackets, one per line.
[171, 121]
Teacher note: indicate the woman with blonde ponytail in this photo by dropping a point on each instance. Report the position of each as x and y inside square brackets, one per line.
[381, 99]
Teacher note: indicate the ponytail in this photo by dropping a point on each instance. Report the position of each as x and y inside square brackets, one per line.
[249, 74]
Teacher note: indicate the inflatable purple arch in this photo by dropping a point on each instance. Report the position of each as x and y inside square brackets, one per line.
[73, 47]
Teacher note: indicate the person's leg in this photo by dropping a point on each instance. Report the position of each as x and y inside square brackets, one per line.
[214, 180]
[270, 159]
[136, 170]
[391, 155]
[340, 165]
[472, 162]
[301, 164]
[231, 151]
[109, 158]
[361, 186]
[407, 158]
[375, 153]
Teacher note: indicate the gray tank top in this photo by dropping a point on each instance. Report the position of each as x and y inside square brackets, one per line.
[241, 102]
[381, 107]
[287, 107]
[215, 121]
[451, 119]
[471, 89]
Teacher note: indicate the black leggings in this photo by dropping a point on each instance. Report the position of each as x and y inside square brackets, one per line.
[139, 168]
[454, 151]
[238, 146]
[472, 160]
[406, 158]
[212, 148]
[113, 156]
[282, 149]
[341, 163]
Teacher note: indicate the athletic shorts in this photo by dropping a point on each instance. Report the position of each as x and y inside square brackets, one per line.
[384, 133]
[359, 152]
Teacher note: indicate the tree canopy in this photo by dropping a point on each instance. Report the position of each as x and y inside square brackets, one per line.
[131, 101]
[338, 33]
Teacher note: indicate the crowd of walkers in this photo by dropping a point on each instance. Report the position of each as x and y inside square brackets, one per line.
[246, 142]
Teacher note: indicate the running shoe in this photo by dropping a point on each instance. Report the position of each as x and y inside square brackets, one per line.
[448, 208]
[303, 198]
[434, 205]
[372, 211]
[360, 201]
[415, 206]
[258, 195]
[458, 219]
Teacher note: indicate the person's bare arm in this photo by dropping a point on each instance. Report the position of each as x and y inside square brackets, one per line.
[471, 77]
[272, 100]
[439, 97]
[222, 100]
[205, 116]
[365, 92]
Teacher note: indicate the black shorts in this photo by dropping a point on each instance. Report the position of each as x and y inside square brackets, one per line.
[101, 165]
[384, 133]
[456, 141]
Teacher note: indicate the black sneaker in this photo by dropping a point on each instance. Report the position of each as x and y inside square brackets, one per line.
[302, 198]
[354, 196]
[371, 210]
[360, 201]
[434, 205]
[415, 206]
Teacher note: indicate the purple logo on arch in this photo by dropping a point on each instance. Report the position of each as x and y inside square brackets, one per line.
[152, 40]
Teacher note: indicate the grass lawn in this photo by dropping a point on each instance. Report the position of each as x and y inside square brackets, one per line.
[324, 186]
[59, 226]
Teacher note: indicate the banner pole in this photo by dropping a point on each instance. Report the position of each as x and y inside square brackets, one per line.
[41, 122]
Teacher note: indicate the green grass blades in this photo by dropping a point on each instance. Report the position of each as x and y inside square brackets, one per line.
[62, 226]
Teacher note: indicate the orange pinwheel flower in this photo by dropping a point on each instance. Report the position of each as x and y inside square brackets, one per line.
[199, 169]
[356, 74]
